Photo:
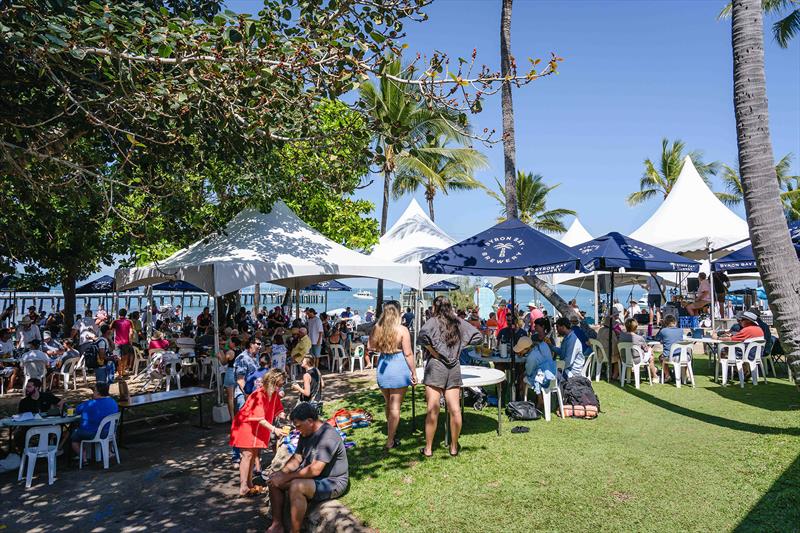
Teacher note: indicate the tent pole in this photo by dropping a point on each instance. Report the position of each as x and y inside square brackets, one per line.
[610, 327]
[297, 303]
[513, 324]
[711, 283]
[216, 348]
[414, 356]
[596, 301]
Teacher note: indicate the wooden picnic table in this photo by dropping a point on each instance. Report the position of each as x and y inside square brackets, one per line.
[149, 398]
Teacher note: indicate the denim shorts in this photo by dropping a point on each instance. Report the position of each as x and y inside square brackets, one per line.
[316, 350]
[328, 489]
[229, 380]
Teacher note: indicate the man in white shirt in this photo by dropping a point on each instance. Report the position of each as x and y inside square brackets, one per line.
[315, 333]
[619, 307]
[27, 333]
[356, 318]
[50, 346]
[35, 354]
[6, 344]
[634, 309]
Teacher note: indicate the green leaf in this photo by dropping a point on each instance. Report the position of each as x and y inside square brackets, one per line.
[77, 53]
[287, 14]
[164, 50]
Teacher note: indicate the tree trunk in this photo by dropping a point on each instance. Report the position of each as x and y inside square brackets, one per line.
[775, 256]
[387, 180]
[429, 197]
[68, 288]
[561, 305]
[509, 146]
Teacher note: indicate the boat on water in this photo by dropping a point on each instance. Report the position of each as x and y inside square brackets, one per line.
[364, 295]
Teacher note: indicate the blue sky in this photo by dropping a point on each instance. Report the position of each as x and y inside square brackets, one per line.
[634, 72]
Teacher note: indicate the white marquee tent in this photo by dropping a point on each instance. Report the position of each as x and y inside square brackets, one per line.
[691, 219]
[275, 247]
[412, 238]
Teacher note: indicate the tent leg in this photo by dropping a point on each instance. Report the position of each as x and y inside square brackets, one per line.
[610, 327]
[596, 301]
[711, 283]
[513, 358]
[216, 348]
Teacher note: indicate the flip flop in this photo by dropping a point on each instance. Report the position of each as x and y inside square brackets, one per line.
[457, 450]
[425, 455]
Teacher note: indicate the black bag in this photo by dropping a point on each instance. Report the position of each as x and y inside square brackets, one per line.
[89, 351]
[578, 390]
[522, 411]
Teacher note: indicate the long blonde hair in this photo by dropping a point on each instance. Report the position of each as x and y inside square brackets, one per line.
[384, 334]
[270, 380]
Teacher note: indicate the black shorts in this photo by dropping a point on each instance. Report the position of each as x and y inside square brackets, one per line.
[653, 300]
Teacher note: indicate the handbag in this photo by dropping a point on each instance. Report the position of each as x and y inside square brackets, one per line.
[522, 410]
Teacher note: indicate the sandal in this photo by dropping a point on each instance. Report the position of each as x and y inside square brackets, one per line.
[458, 449]
[426, 455]
[395, 444]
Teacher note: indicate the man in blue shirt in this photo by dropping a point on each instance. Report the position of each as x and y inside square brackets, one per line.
[668, 335]
[92, 413]
[570, 350]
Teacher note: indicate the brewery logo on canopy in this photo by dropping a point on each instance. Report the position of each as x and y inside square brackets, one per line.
[502, 250]
[589, 248]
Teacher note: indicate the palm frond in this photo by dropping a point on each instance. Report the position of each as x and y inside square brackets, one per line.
[787, 28]
[731, 200]
[639, 197]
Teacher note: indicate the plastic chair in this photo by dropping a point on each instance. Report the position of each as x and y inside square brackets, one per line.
[338, 356]
[42, 449]
[173, 372]
[586, 371]
[356, 354]
[34, 369]
[80, 365]
[547, 393]
[752, 358]
[600, 359]
[66, 372]
[139, 362]
[724, 364]
[102, 444]
[769, 362]
[683, 349]
[626, 350]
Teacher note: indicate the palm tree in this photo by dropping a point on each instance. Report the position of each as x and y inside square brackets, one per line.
[775, 255]
[786, 28]
[400, 121]
[437, 167]
[659, 180]
[734, 194]
[791, 199]
[531, 196]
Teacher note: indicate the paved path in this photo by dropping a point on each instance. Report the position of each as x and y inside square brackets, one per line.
[173, 477]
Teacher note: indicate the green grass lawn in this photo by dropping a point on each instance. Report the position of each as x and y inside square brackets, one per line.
[661, 458]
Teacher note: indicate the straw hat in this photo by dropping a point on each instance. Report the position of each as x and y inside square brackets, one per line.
[26, 321]
[523, 345]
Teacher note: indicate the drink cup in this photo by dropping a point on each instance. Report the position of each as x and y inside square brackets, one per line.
[70, 411]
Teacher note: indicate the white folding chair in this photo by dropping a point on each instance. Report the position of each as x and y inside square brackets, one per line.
[43, 448]
[683, 351]
[102, 444]
[600, 359]
[338, 356]
[734, 352]
[139, 362]
[34, 369]
[67, 373]
[627, 351]
[356, 354]
[752, 358]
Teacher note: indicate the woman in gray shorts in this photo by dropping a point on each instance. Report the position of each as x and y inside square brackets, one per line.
[443, 337]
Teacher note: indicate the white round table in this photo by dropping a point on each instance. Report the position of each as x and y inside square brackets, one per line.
[476, 376]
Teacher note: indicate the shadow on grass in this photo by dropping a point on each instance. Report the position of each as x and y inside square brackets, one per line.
[369, 459]
[713, 419]
[779, 508]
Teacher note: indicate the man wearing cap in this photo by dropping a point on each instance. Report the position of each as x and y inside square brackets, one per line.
[570, 350]
[50, 346]
[750, 328]
[27, 332]
[35, 354]
[533, 313]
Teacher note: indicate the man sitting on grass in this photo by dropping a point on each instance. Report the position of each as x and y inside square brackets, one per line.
[318, 470]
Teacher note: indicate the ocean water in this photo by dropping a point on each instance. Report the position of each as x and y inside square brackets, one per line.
[343, 299]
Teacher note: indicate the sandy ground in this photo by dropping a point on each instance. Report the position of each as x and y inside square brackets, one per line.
[173, 476]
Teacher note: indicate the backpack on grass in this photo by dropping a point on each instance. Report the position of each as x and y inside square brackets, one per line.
[522, 410]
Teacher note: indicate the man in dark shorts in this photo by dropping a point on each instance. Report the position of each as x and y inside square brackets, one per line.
[317, 471]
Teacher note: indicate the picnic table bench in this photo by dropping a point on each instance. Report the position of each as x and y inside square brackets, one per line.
[140, 400]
